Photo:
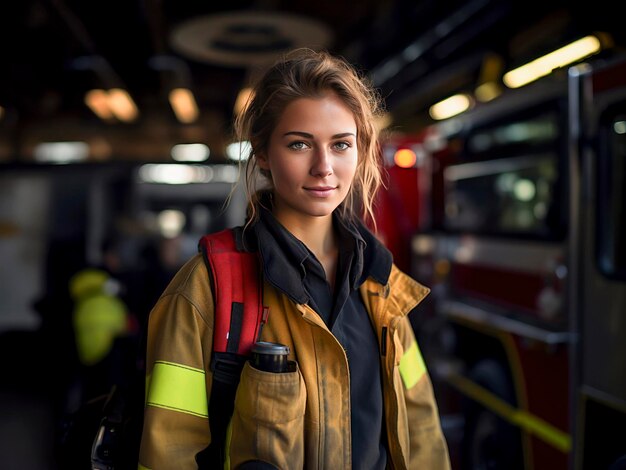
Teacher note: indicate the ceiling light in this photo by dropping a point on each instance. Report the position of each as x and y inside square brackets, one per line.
[450, 106]
[174, 173]
[61, 152]
[184, 105]
[122, 105]
[544, 65]
[238, 151]
[489, 81]
[244, 97]
[179, 173]
[171, 222]
[113, 103]
[98, 101]
[487, 91]
[190, 152]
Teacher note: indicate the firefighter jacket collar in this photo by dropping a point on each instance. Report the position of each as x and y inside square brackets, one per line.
[284, 266]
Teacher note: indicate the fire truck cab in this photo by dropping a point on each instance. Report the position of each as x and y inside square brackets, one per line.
[525, 252]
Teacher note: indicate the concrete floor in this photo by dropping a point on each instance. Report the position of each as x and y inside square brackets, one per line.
[26, 431]
[32, 393]
[45, 422]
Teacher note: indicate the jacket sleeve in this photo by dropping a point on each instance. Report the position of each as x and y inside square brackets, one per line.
[178, 380]
[428, 448]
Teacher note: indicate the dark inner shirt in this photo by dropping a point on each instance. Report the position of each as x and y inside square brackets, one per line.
[292, 268]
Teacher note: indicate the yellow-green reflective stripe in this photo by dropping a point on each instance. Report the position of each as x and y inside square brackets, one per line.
[530, 423]
[412, 366]
[179, 388]
[141, 467]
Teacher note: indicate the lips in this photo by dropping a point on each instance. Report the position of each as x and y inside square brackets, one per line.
[321, 191]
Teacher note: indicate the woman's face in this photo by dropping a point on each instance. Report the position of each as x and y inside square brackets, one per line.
[312, 157]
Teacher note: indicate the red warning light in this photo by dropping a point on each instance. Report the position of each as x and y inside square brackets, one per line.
[405, 158]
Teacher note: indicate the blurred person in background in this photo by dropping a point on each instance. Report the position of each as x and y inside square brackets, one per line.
[107, 338]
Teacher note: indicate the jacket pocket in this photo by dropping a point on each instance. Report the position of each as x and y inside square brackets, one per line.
[268, 420]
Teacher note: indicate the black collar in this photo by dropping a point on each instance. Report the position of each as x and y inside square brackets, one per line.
[284, 256]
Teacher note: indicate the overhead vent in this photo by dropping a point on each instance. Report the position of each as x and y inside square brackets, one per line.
[247, 38]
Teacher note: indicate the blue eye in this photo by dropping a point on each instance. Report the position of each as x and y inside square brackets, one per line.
[342, 145]
[298, 145]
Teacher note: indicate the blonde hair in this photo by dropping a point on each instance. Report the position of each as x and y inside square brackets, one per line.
[304, 73]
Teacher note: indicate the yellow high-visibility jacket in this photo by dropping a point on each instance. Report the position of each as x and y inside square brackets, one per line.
[292, 420]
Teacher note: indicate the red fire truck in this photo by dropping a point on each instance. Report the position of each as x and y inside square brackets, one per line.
[523, 242]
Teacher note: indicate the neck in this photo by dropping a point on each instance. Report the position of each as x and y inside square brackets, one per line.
[315, 232]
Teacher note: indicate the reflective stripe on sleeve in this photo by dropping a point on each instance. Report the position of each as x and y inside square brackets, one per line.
[179, 388]
[412, 366]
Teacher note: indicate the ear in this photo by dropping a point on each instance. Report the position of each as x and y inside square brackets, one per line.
[262, 161]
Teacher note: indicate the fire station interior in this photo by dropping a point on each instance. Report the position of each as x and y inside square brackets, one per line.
[117, 154]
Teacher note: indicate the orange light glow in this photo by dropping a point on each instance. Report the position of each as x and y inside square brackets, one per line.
[97, 100]
[405, 158]
[244, 97]
[122, 105]
[184, 105]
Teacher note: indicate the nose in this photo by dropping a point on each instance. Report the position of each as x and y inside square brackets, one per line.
[322, 165]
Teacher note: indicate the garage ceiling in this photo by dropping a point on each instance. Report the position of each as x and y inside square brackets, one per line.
[416, 52]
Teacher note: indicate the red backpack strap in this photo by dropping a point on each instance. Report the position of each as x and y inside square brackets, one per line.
[237, 291]
[238, 319]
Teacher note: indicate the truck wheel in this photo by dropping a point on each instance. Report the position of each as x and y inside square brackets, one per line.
[490, 442]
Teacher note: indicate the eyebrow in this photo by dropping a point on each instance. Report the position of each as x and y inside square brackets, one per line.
[310, 136]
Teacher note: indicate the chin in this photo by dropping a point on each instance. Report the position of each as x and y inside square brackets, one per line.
[319, 211]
